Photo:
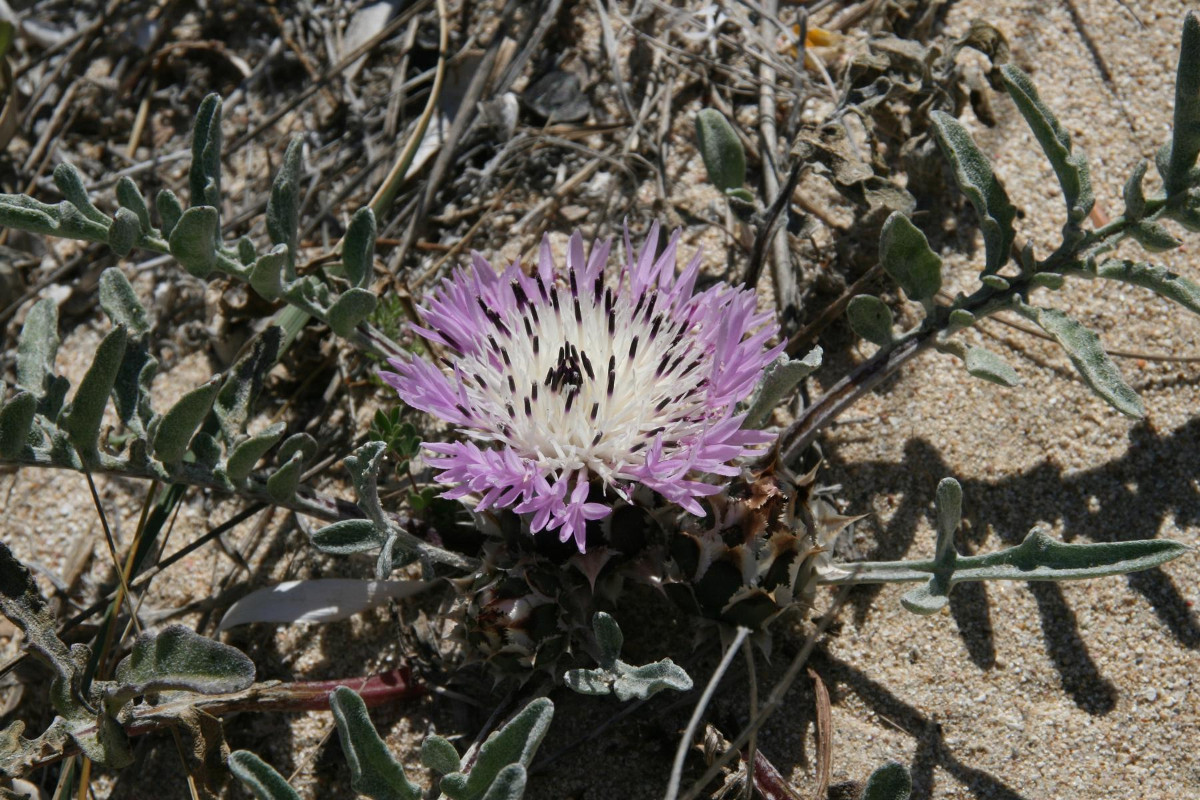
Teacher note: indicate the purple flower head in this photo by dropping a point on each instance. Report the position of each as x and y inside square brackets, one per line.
[587, 377]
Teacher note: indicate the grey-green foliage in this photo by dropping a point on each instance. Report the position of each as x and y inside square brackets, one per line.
[177, 445]
[260, 777]
[496, 772]
[396, 546]
[778, 381]
[193, 236]
[615, 677]
[175, 659]
[1037, 558]
[907, 258]
[374, 772]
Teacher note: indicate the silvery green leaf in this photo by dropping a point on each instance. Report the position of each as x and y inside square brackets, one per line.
[70, 183]
[283, 482]
[608, 638]
[439, 755]
[259, 777]
[928, 598]
[997, 282]
[508, 785]
[960, 319]
[181, 422]
[1135, 198]
[247, 453]
[82, 423]
[131, 391]
[178, 658]
[373, 770]
[1050, 280]
[1185, 133]
[194, 240]
[283, 206]
[124, 231]
[316, 600]
[363, 466]
[205, 450]
[979, 183]
[349, 536]
[722, 151]
[870, 318]
[358, 248]
[246, 252]
[26, 214]
[351, 308]
[1153, 237]
[301, 443]
[889, 782]
[515, 743]
[949, 515]
[1041, 558]
[906, 257]
[204, 175]
[16, 420]
[266, 276]
[1088, 357]
[781, 377]
[983, 363]
[1071, 168]
[38, 347]
[120, 302]
[130, 197]
[232, 407]
[1155, 278]
[170, 210]
[642, 682]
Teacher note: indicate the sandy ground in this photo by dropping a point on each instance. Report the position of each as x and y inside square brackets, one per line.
[1018, 691]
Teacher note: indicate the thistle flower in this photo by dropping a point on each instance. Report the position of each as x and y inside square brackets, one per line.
[587, 383]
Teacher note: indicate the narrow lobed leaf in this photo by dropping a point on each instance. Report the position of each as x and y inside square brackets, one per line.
[82, 423]
[259, 777]
[204, 175]
[70, 182]
[244, 382]
[130, 197]
[283, 205]
[439, 755]
[358, 248]
[780, 379]
[608, 639]
[120, 303]
[515, 743]
[509, 784]
[1185, 135]
[1088, 357]
[38, 347]
[1157, 279]
[373, 770]
[247, 453]
[1134, 196]
[181, 422]
[1153, 236]
[979, 183]
[1072, 170]
[170, 210]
